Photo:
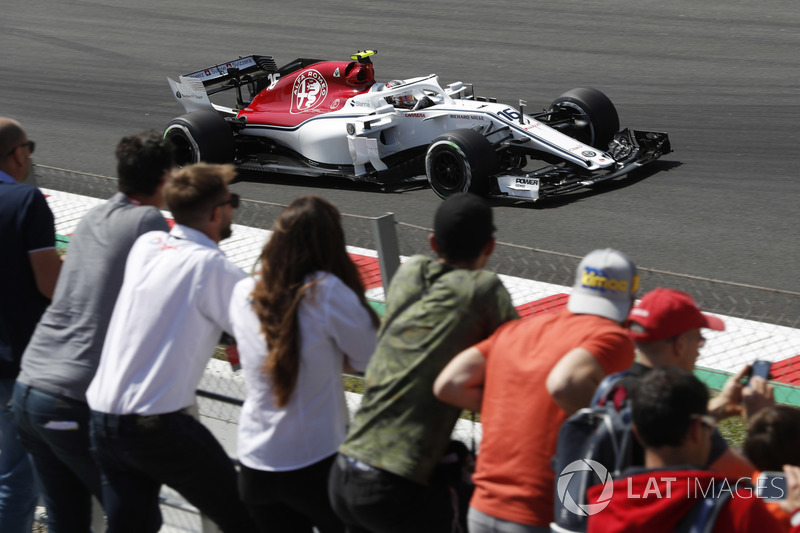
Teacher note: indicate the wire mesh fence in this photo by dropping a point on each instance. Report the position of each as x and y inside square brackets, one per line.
[715, 296]
[761, 323]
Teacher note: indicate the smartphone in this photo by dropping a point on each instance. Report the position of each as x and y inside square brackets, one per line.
[759, 368]
[771, 486]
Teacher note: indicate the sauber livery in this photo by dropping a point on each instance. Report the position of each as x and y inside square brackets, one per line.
[331, 118]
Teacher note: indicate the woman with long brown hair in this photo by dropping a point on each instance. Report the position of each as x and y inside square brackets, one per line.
[297, 324]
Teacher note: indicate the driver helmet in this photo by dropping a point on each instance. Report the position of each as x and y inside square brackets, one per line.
[404, 100]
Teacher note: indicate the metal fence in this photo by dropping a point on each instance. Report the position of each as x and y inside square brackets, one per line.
[762, 323]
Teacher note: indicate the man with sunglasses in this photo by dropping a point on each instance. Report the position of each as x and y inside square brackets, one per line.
[170, 313]
[672, 492]
[29, 269]
[666, 327]
[50, 394]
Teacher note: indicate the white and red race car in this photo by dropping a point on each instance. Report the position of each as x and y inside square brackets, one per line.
[331, 118]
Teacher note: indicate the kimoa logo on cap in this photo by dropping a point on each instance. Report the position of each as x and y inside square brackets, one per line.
[597, 279]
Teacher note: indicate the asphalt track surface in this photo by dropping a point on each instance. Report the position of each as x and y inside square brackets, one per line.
[720, 77]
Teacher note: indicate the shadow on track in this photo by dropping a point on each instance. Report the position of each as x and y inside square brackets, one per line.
[336, 183]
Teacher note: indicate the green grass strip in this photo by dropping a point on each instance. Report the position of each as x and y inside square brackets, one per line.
[715, 379]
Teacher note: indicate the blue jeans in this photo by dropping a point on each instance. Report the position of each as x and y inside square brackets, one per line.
[137, 454]
[18, 490]
[55, 431]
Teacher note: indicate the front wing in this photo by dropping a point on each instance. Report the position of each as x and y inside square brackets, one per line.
[630, 149]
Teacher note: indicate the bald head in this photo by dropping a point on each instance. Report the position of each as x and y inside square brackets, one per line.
[14, 159]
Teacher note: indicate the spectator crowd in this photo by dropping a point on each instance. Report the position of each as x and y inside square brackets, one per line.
[102, 349]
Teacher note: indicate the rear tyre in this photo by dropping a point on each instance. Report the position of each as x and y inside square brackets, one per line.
[595, 116]
[200, 136]
[460, 161]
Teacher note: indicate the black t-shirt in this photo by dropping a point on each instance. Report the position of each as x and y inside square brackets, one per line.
[26, 225]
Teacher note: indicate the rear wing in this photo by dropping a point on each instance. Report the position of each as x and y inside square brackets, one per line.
[242, 71]
[254, 72]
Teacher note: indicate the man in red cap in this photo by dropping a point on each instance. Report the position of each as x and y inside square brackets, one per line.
[666, 327]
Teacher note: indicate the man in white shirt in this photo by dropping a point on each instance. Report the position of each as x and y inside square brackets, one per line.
[168, 318]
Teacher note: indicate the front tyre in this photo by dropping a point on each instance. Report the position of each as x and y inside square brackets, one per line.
[594, 116]
[460, 161]
[200, 136]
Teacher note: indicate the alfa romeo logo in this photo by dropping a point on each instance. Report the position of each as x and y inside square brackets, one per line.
[583, 465]
[309, 91]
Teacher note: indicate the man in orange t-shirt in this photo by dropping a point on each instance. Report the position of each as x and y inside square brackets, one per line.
[527, 378]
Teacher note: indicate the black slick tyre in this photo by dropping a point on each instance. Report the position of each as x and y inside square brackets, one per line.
[200, 136]
[596, 117]
[460, 161]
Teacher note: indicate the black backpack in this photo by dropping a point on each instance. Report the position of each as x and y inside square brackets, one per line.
[594, 446]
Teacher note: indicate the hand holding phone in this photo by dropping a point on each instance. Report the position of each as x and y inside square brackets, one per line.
[760, 369]
[759, 394]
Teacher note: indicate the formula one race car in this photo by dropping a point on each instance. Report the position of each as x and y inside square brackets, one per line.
[331, 118]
